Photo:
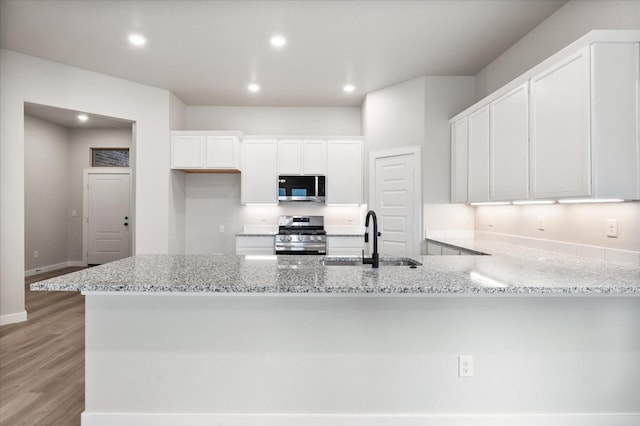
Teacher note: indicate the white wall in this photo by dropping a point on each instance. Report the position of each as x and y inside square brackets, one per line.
[573, 223]
[79, 150]
[276, 120]
[177, 201]
[214, 199]
[46, 174]
[566, 25]
[417, 112]
[27, 79]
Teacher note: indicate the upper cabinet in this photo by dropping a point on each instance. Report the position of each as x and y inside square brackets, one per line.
[259, 179]
[478, 148]
[569, 129]
[195, 151]
[560, 146]
[344, 171]
[459, 164]
[509, 150]
[302, 157]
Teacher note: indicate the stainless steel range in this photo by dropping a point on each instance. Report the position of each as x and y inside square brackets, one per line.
[301, 235]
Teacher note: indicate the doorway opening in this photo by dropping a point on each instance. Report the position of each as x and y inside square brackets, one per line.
[58, 148]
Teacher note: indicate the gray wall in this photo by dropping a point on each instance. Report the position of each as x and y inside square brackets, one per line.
[55, 157]
[79, 151]
[46, 192]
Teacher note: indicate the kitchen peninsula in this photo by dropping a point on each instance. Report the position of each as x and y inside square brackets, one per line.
[286, 340]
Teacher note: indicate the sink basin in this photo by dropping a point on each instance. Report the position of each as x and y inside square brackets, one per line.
[350, 261]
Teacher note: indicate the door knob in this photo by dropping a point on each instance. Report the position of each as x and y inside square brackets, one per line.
[126, 224]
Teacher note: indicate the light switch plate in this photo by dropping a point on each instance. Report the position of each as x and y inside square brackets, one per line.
[541, 223]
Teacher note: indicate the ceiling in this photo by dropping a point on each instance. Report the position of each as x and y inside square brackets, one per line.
[207, 52]
[69, 118]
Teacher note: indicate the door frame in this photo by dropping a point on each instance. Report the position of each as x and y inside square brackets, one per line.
[416, 152]
[85, 206]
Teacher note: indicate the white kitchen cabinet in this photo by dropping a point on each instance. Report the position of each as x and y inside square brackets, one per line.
[259, 179]
[560, 133]
[344, 171]
[345, 245]
[509, 151]
[255, 244]
[584, 125]
[302, 157]
[205, 151]
[459, 161]
[478, 151]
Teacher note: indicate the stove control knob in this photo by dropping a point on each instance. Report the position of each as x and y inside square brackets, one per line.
[289, 238]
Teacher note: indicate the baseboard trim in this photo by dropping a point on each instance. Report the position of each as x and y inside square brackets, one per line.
[13, 318]
[50, 268]
[152, 419]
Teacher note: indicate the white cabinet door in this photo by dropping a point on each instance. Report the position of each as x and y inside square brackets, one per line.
[289, 157]
[560, 130]
[314, 157]
[459, 161]
[478, 148]
[205, 150]
[259, 171]
[187, 151]
[302, 157]
[344, 172]
[510, 145]
[221, 152]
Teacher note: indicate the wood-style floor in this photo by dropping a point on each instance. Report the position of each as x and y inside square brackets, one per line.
[42, 360]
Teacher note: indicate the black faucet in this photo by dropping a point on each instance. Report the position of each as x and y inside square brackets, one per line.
[374, 259]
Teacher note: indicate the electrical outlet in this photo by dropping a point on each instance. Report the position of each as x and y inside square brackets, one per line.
[541, 223]
[490, 220]
[465, 366]
[36, 253]
[74, 213]
[221, 228]
[612, 228]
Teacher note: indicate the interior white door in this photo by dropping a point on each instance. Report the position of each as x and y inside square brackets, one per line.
[108, 218]
[395, 198]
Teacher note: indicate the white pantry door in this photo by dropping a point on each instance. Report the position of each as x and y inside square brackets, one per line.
[396, 199]
[108, 220]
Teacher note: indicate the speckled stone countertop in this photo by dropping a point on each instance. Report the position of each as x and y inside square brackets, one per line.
[509, 270]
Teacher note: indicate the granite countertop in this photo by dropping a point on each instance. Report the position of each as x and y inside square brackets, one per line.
[509, 270]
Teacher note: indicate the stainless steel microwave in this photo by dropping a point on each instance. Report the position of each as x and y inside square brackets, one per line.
[301, 188]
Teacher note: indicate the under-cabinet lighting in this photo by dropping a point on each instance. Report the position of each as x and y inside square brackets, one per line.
[83, 117]
[491, 203]
[349, 88]
[591, 200]
[527, 202]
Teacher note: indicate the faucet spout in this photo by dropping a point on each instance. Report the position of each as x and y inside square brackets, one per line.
[374, 260]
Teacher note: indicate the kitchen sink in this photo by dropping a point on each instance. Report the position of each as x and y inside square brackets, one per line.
[384, 261]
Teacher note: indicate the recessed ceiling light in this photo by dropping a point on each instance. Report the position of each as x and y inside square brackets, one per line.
[83, 117]
[349, 88]
[253, 87]
[278, 41]
[137, 40]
